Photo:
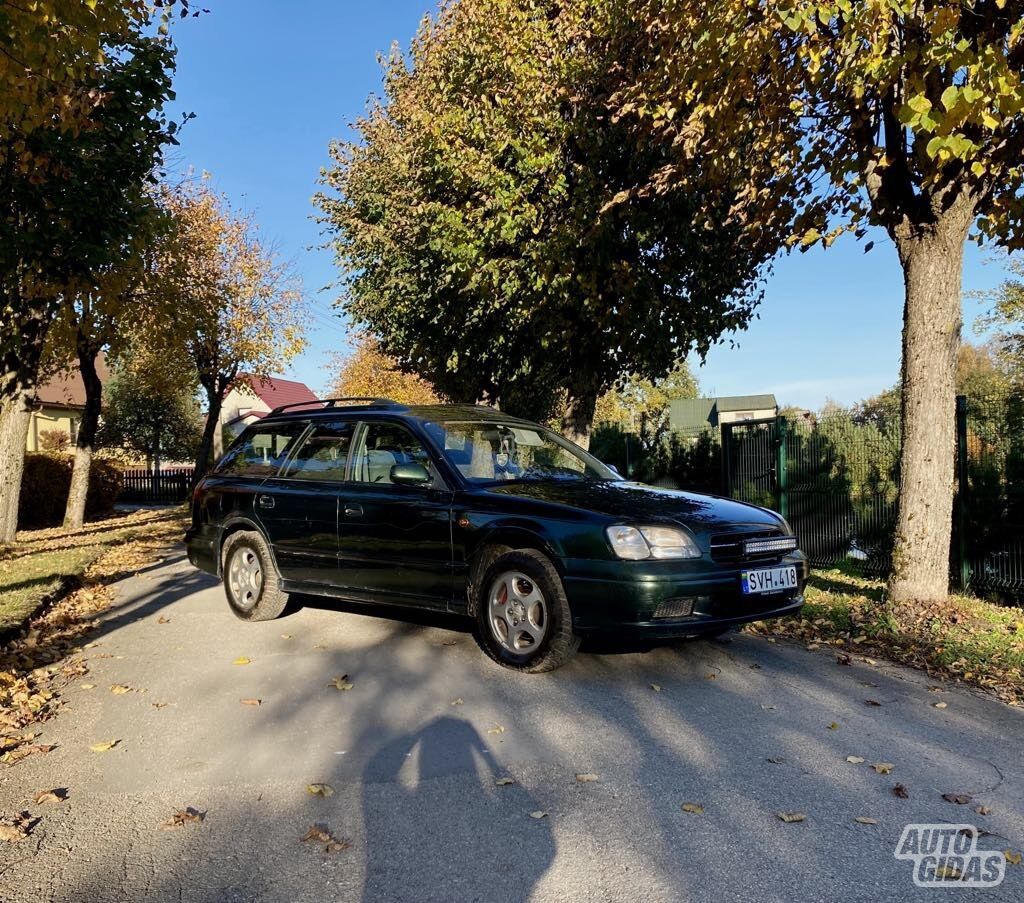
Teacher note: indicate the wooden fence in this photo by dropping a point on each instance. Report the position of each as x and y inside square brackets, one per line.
[143, 486]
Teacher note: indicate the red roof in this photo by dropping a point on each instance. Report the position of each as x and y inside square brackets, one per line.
[66, 389]
[275, 392]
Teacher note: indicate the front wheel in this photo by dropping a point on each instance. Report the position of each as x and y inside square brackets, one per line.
[251, 582]
[522, 615]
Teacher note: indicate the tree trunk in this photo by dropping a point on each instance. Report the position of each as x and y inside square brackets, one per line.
[214, 400]
[579, 411]
[932, 269]
[15, 417]
[74, 514]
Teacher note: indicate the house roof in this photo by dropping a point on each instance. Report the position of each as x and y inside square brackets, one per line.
[274, 391]
[697, 413]
[66, 389]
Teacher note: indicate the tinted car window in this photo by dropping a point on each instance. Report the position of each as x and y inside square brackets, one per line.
[260, 450]
[323, 453]
[382, 447]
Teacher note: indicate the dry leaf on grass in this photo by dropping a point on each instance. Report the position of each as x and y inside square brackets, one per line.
[242, 660]
[693, 808]
[320, 789]
[960, 799]
[251, 701]
[183, 817]
[104, 745]
[789, 817]
[901, 791]
[587, 778]
[504, 782]
[341, 683]
[57, 795]
[883, 767]
[866, 820]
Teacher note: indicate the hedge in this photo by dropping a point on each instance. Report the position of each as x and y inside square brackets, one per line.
[46, 482]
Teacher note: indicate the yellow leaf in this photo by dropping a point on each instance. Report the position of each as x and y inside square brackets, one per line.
[88, 686]
[1012, 857]
[104, 746]
[497, 729]
[242, 660]
[693, 808]
[457, 701]
[341, 683]
[834, 726]
[251, 701]
[320, 789]
[120, 689]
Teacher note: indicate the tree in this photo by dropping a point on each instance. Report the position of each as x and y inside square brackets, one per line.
[906, 116]
[221, 298]
[368, 372]
[481, 229]
[1005, 319]
[156, 418]
[641, 406]
[65, 221]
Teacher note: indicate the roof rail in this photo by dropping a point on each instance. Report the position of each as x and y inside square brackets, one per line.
[354, 401]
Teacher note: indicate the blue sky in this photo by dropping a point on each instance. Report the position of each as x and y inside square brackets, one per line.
[271, 84]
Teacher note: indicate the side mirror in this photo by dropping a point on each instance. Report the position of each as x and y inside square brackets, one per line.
[410, 475]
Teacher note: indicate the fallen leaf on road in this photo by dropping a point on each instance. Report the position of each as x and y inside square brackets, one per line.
[939, 705]
[159, 705]
[872, 702]
[866, 820]
[1012, 857]
[843, 659]
[855, 760]
[775, 760]
[88, 686]
[120, 689]
[901, 791]
[587, 778]
[948, 873]
[504, 782]
[960, 799]
[286, 636]
[834, 726]
[251, 701]
[163, 620]
[768, 708]
[539, 814]
[104, 746]
[341, 683]
[17, 828]
[320, 789]
[322, 835]
[984, 810]
[182, 817]
[711, 676]
[57, 795]
[656, 688]
[242, 660]
[791, 816]
[457, 701]
[693, 808]
[497, 729]
[883, 767]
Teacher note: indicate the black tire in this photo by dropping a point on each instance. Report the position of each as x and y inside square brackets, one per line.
[557, 643]
[262, 602]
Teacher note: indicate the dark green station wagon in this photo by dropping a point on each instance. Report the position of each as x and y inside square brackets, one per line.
[466, 510]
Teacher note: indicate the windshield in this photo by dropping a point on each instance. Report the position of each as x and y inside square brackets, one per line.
[492, 452]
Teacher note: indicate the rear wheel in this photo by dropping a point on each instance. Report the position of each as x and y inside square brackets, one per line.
[522, 615]
[251, 582]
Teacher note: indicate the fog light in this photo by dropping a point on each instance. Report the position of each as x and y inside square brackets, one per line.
[681, 607]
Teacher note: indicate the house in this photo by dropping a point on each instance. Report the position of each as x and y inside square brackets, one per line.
[251, 398]
[693, 415]
[57, 408]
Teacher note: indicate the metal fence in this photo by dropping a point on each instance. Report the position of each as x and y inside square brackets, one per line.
[143, 486]
[836, 479]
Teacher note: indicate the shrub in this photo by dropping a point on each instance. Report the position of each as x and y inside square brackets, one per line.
[46, 482]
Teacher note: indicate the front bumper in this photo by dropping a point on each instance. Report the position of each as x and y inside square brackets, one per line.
[625, 598]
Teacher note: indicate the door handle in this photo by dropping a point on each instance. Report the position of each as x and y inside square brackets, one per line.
[265, 501]
[352, 510]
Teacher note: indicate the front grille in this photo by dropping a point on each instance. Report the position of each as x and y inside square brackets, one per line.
[681, 607]
[727, 548]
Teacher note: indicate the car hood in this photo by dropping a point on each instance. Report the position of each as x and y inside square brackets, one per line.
[636, 502]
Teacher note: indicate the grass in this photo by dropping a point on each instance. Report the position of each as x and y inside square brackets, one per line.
[964, 639]
[42, 564]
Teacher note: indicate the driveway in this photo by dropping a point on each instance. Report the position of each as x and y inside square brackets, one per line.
[745, 729]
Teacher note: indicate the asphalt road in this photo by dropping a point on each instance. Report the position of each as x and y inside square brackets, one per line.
[743, 728]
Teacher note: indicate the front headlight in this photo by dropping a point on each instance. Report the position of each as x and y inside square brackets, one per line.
[638, 543]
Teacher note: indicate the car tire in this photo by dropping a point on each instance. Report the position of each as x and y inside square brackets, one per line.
[523, 621]
[251, 582]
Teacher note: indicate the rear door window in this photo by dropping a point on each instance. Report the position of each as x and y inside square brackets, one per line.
[323, 454]
[261, 450]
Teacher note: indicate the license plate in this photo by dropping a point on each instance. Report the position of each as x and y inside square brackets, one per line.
[769, 580]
